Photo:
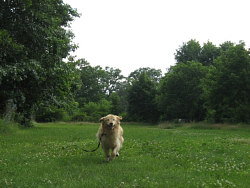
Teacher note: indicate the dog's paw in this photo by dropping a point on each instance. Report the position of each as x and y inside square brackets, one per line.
[112, 156]
[117, 154]
[108, 158]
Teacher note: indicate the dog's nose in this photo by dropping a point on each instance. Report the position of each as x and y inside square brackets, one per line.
[111, 124]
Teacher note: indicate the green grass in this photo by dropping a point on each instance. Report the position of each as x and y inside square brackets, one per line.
[7, 127]
[150, 157]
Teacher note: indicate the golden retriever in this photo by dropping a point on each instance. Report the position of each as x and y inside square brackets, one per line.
[110, 135]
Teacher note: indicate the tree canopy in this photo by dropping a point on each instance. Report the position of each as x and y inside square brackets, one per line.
[141, 99]
[180, 92]
[227, 86]
[34, 41]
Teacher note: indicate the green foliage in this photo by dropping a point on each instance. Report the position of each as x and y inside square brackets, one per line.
[7, 127]
[92, 83]
[225, 46]
[115, 103]
[94, 111]
[141, 99]
[154, 74]
[189, 51]
[4, 126]
[112, 80]
[192, 51]
[50, 114]
[227, 87]
[33, 42]
[208, 54]
[97, 83]
[180, 92]
[79, 116]
[122, 92]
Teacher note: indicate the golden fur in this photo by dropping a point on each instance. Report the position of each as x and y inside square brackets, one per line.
[110, 135]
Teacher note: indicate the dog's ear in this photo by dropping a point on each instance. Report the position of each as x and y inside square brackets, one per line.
[101, 120]
[119, 117]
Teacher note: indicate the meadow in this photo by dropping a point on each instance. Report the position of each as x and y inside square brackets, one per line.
[152, 156]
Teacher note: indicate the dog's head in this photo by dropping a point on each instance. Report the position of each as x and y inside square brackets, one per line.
[110, 121]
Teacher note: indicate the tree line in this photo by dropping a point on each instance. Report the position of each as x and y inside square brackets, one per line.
[208, 82]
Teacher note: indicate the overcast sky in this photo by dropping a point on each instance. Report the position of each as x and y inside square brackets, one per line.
[129, 34]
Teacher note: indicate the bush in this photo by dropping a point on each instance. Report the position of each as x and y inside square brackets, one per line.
[93, 111]
[79, 117]
[23, 120]
[125, 117]
[49, 115]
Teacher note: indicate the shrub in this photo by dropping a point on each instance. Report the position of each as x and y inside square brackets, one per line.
[79, 117]
[125, 117]
[49, 115]
[93, 111]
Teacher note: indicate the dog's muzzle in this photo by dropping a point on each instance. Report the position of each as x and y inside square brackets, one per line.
[111, 126]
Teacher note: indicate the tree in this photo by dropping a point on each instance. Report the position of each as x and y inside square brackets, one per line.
[122, 92]
[227, 86]
[141, 99]
[97, 83]
[92, 86]
[189, 51]
[209, 52]
[33, 43]
[116, 103]
[154, 74]
[225, 46]
[112, 80]
[180, 92]
[192, 51]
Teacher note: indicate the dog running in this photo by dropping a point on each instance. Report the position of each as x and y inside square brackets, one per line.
[110, 135]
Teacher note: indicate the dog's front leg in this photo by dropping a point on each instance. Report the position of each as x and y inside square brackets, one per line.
[106, 151]
[114, 153]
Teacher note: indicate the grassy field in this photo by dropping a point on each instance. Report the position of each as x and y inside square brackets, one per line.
[45, 156]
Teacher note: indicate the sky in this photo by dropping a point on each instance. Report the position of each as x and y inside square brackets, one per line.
[131, 34]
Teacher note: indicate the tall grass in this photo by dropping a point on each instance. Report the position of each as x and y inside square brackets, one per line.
[45, 156]
[7, 127]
